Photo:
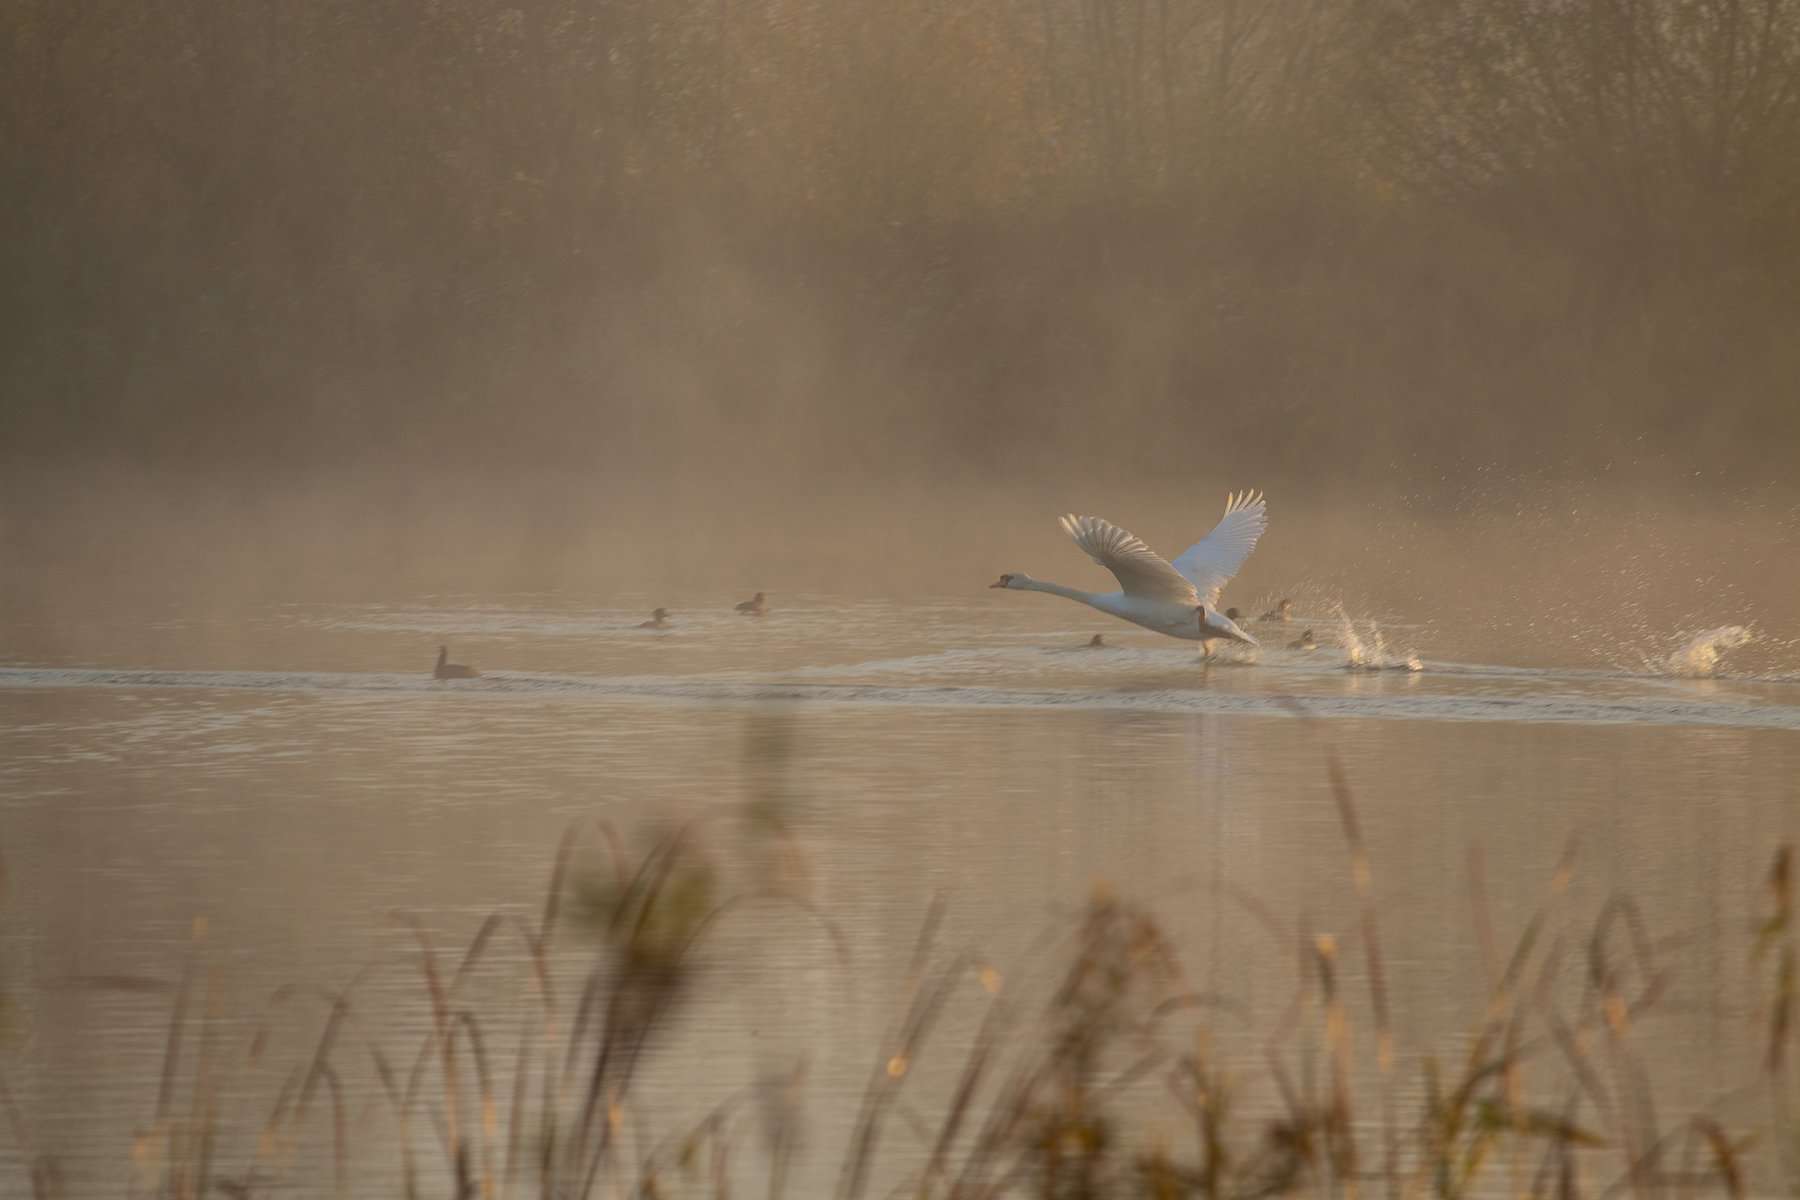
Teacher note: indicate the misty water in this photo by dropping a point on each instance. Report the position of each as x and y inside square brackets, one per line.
[292, 775]
[333, 332]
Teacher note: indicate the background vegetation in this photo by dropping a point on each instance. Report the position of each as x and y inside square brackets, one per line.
[620, 237]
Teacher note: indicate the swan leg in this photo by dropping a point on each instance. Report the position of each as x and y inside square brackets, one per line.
[1206, 649]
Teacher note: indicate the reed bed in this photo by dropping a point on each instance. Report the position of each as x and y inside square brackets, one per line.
[1546, 1095]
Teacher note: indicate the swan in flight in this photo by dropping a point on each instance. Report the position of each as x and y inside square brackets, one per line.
[753, 607]
[1178, 598]
[446, 669]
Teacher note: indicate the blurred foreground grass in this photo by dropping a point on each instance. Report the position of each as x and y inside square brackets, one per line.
[1547, 1095]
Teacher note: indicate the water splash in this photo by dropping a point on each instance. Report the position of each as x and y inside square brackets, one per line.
[1699, 654]
[1369, 651]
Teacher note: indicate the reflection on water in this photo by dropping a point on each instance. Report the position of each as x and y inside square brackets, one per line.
[298, 781]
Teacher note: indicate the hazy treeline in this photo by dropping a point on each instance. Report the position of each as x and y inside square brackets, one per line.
[669, 237]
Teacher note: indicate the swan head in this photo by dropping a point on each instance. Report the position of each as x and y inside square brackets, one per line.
[1214, 624]
[1011, 581]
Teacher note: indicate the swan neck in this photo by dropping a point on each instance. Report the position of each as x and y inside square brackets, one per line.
[1057, 589]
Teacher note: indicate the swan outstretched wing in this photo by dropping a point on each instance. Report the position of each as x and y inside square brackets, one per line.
[1210, 562]
[1139, 569]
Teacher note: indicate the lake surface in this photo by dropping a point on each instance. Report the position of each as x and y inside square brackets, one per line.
[293, 777]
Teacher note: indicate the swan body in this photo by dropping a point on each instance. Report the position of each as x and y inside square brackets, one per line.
[446, 669]
[1178, 599]
[753, 607]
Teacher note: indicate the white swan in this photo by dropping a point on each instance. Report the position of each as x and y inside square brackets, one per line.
[1179, 598]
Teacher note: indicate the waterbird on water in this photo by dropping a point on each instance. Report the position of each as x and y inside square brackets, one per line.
[1178, 598]
[1096, 643]
[659, 619]
[1305, 641]
[446, 669]
[1281, 612]
[753, 607]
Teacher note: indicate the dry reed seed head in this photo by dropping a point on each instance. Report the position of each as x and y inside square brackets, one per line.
[1498, 1006]
[1618, 1016]
[1147, 943]
[896, 1066]
[1326, 945]
[1360, 872]
[990, 981]
[1559, 883]
[1081, 1138]
[490, 1117]
[615, 1115]
[147, 1150]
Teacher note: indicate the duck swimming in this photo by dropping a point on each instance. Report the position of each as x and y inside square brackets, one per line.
[754, 606]
[446, 669]
[1281, 612]
[1097, 643]
[658, 620]
[1305, 641]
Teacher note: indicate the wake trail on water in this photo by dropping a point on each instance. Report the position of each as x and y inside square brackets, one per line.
[1558, 707]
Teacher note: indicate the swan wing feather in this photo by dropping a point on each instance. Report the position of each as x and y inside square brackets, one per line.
[1141, 572]
[1210, 562]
